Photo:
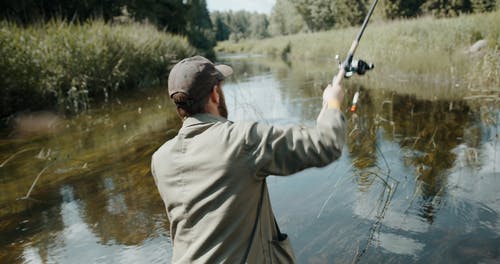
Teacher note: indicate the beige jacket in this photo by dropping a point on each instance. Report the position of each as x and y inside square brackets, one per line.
[210, 176]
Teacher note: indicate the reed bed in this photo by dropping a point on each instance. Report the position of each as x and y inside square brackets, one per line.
[424, 48]
[64, 66]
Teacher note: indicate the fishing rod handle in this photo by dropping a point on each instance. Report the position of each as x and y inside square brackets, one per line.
[352, 50]
[338, 78]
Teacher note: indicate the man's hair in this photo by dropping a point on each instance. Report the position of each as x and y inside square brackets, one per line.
[187, 106]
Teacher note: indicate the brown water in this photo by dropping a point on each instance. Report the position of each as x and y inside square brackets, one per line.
[418, 181]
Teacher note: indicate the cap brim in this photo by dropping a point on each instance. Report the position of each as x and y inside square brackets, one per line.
[224, 69]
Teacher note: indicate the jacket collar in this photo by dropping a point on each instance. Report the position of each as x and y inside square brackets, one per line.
[201, 119]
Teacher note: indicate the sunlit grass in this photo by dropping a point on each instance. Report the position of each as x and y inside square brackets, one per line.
[408, 50]
[67, 65]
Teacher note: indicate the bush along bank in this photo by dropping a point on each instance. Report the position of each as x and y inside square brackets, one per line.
[62, 66]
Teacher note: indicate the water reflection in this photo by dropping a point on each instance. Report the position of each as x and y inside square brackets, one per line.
[418, 181]
[362, 135]
[96, 200]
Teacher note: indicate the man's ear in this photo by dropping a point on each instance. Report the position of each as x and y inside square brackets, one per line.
[214, 95]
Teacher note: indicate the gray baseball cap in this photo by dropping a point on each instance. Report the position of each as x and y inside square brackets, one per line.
[196, 77]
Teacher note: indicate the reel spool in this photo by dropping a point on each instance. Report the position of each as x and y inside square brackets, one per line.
[358, 66]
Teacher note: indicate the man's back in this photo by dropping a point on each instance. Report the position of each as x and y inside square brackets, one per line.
[210, 177]
[211, 200]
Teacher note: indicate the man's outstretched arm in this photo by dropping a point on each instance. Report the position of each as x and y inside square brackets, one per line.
[283, 151]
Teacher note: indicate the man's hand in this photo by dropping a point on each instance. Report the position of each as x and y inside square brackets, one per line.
[333, 96]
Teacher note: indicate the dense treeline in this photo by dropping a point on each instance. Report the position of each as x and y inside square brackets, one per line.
[325, 14]
[192, 19]
[186, 17]
[294, 16]
[239, 25]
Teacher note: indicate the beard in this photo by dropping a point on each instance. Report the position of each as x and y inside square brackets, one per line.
[222, 103]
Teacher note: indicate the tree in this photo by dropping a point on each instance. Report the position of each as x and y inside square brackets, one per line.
[239, 25]
[29, 11]
[166, 14]
[349, 12]
[258, 26]
[480, 6]
[318, 14]
[325, 14]
[447, 8]
[402, 8]
[199, 26]
[285, 19]
[221, 29]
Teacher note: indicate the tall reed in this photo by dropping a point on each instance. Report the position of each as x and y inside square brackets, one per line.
[67, 66]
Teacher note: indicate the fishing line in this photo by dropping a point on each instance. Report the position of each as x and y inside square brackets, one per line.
[346, 70]
[344, 180]
[383, 202]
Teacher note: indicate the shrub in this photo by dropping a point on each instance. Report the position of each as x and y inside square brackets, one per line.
[67, 66]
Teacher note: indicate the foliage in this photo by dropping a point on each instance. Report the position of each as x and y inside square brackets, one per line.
[187, 17]
[166, 14]
[325, 14]
[220, 22]
[199, 27]
[402, 8]
[259, 25]
[63, 65]
[31, 11]
[318, 14]
[442, 8]
[350, 12]
[285, 20]
[447, 8]
[239, 25]
[480, 6]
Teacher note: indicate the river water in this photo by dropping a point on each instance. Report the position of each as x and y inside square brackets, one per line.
[418, 181]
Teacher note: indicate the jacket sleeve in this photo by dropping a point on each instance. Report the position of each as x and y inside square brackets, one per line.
[284, 151]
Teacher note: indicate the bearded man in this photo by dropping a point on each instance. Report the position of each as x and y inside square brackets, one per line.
[212, 175]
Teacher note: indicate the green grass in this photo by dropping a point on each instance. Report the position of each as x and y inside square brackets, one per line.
[420, 49]
[64, 66]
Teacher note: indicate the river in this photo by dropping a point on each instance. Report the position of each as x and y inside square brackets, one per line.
[418, 181]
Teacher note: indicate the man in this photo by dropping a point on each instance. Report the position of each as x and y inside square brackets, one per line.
[211, 176]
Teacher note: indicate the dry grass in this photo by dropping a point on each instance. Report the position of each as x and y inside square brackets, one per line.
[421, 49]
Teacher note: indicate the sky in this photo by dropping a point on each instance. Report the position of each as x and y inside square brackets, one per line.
[261, 6]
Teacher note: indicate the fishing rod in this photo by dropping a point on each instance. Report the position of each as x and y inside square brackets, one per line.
[350, 66]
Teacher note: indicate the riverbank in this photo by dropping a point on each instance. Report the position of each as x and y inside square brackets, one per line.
[436, 50]
[88, 183]
[66, 67]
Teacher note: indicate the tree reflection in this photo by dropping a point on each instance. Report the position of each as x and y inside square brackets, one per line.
[22, 230]
[362, 131]
[431, 130]
[127, 209]
[427, 131]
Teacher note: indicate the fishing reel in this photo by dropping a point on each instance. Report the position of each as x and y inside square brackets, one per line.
[356, 66]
